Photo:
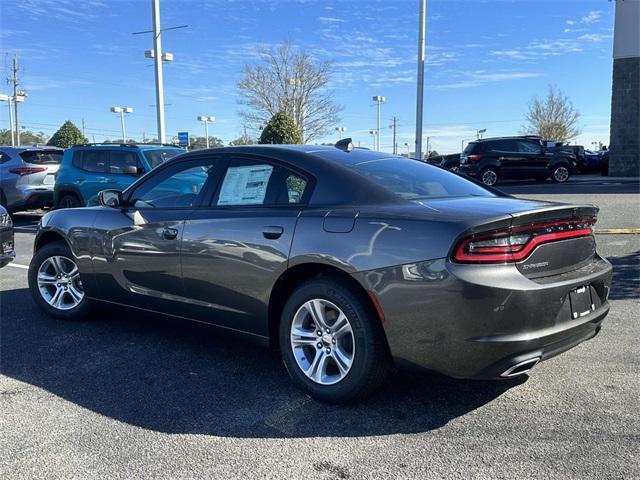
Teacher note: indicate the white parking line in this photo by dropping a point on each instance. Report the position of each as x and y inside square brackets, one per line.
[17, 265]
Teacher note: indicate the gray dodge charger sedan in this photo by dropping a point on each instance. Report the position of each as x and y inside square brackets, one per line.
[347, 261]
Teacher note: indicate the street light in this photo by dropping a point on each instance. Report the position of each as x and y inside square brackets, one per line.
[9, 100]
[206, 119]
[406, 144]
[340, 131]
[373, 134]
[379, 99]
[462, 144]
[480, 132]
[122, 111]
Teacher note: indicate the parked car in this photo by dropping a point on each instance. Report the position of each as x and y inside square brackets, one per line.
[577, 152]
[493, 159]
[592, 162]
[27, 176]
[88, 169]
[604, 163]
[349, 261]
[7, 252]
[450, 162]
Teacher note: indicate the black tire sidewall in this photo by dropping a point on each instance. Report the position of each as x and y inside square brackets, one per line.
[50, 250]
[367, 341]
[71, 199]
[492, 169]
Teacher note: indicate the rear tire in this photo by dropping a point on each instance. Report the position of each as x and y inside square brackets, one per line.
[55, 284]
[489, 176]
[68, 200]
[351, 361]
[560, 173]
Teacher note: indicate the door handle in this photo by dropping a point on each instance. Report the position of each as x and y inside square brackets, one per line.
[272, 232]
[111, 180]
[169, 233]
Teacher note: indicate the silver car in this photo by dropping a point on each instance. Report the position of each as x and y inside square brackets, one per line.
[27, 176]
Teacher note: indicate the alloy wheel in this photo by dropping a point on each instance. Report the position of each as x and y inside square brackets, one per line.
[561, 174]
[322, 341]
[59, 283]
[489, 177]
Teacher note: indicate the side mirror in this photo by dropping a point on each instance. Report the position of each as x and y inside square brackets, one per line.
[131, 170]
[110, 198]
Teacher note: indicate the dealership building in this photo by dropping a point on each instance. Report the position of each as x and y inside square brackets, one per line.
[624, 154]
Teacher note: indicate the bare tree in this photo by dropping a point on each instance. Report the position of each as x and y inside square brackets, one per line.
[553, 118]
[287, 80]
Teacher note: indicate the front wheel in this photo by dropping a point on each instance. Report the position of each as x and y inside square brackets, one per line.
[489, 176]
[69, 201]
[332, 343]
[55, 283]
[560, 174]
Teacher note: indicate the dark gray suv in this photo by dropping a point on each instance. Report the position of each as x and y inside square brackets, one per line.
[348, 261]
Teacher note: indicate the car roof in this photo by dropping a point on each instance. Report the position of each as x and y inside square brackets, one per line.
[138, 146]
[512, 137]
[24, 148]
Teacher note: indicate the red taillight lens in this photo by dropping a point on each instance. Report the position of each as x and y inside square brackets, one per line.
[474, 158]
[515, 244]
[27, 170]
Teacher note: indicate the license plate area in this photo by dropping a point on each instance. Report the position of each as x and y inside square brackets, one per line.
[581, 302]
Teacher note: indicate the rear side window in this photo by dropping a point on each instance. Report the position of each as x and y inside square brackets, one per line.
[249, 182]
[42, 157]
[413, 179]
[504, 146]
[471, 148]
[94, 161]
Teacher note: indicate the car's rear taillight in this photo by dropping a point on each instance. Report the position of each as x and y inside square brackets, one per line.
[514, 244]
[474, 158]
[27, 170]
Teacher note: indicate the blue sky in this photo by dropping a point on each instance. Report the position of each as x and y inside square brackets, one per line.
[485, 61]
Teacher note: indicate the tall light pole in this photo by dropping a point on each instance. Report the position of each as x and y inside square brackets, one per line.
[406, 144]
[122, 111]
[340, 131]
[394, 125]
[420, 82]
[206, 119]
[462, 144]
[157, 47]
[373, 133]
[379, 99]
[9, 100]
[480, 132]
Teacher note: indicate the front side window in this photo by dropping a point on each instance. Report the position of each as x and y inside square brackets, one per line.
[121, 160]
[413, 179]
[178, 187]
[529, 147]
[158, 156]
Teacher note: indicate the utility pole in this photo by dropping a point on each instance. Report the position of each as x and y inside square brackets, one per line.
[83, 128]
[379, 99]
[157, 46]
[420, 83]
[15, 96]
[395, 149]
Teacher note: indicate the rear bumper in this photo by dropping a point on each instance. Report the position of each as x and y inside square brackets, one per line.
[478, 321]
[32, 197]
[7, 253]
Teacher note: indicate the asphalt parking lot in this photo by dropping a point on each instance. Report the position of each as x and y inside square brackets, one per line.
[128, 395]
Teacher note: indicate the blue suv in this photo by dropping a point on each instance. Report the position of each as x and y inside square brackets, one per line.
[88, 169]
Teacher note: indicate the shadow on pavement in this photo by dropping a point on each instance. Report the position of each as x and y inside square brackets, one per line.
[597, 185]
[169, 376]
[626, 277]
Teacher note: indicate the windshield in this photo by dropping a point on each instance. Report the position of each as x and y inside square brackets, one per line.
[43, 157]
[413, 179]
[158, 156]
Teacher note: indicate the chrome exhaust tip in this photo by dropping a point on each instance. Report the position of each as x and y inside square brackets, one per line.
[520, 368]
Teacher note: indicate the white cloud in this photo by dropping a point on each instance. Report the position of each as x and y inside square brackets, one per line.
[592, 17]
[331, 20]
[571, 22]
[480, 77]
[594, 37]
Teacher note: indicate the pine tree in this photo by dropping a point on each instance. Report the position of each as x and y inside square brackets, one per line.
[67, 135]
[280, 129]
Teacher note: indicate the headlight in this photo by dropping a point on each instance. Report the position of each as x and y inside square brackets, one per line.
[5, 220]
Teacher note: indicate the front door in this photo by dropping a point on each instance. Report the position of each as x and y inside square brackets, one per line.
[235, 249]
[139, 244]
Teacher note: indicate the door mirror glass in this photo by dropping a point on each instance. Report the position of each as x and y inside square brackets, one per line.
[110, 198]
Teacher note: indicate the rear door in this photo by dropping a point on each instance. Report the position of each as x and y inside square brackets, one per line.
[139, 246]
[534, 162]
[512, 162]
[235, 249]
[90, 175]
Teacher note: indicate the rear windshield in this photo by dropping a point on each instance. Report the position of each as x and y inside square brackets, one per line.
[43, 157]
[159, 156]
[470, 148]
[413, 179]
